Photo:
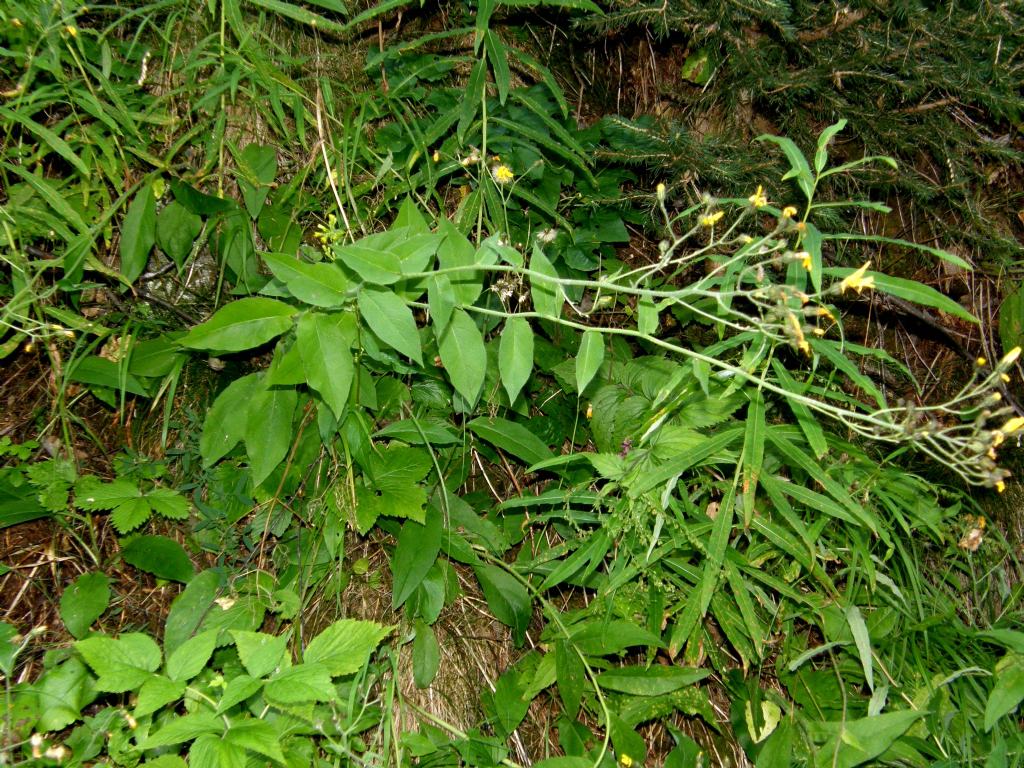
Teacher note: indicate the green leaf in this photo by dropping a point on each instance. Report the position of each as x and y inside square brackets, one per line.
[176, 231]
[604, 638]
[464, 356]
[105, 373]
[512, 437]
[121, 664]
[129, 507]
[138, 233]
[301, 684]
[236, 691]
[62, 692]
[345, 646]
[426, 655]
[327, 358]
[373, 265]
[51, 139]
[260, 653]
[809, 423]
[83, 602]
[821, 155]
[156, 693]
[321, 285]
[169, 503]
[571, 677]
[507, 598]
[184, 728]
[301, 15]
[394, 488]
[862, 639]
[910, 290]
[257, 736]
[456, 252]
[472, 98]
[515, 355]
[798, 167]
[544, 288]
[854, 742]
[441, 300]
[1008, 691]
[159, 555]
[225, 422]
[188, 659]
[937, 252]
[268, 432]
[498, 57]
[241, 325]
[655, 680]
[257, 166]
[392, 321]
[417, 549]
[753, 453]
[588, 359]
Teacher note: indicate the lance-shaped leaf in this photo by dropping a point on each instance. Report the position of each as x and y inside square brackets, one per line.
[242, 324]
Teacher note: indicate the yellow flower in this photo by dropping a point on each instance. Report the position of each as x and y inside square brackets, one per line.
[502, 174]
[857, 281]
[997, 437]
[798, 335]
[805, 260]
[789, 211]
[437, 156]
[71, 30]
[15, 22]
[1000, 486]
[625, 761]
[758, 199]
[711, 219]
[1013, 425]
[982, 362]
[1011, 357]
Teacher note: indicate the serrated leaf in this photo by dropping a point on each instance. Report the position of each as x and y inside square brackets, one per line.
[345, 646]
[515, 355]
[242, 324]
[121, 664]
[301, 684]
[391, 319]
[83, 602]
[169, 503]
[326, 359]
[184, 728]
[156, 693]
[464, 356]
[257, 736]
[159, 555]
[259, 652]
[188, 659]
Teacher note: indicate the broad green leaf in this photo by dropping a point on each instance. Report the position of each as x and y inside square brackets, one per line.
[259, 736]
[588, 359]
[301, 684]
[345, 646]
[156, 693]
[101, 372]
[463, 354]
[198, 202]
[1008, 691]
[417, 549]
[62, 692]
[176, 231]
[138, 233]
[511, 437]
[321, 285]
[242, 324]
[326, 358]
[257, 167]
[647, 321]
[83, 602]
[189, 659]
[373, 265]
[603, 638]
[655, 680]
[225, 422]
[184, 728]
[168, 503]
[456, 252]
[259, 652]
[509, 704]
[441, 300]
[570, 676]
[391, 319]
[909, 290]
[268, 432]
[393, 486]
[121, 664]
[426, 655]
[544, 288]
[854, 742]
[238, 690]
[515, 355]
[189, 608]
[159, 555]
[507, 598]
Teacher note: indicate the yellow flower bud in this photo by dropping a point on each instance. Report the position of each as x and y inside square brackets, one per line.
[1011, 357]
[711, 219]
[660, 192]
[1013, 425]
[982, 362]
[758, 199]
[789, 211]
